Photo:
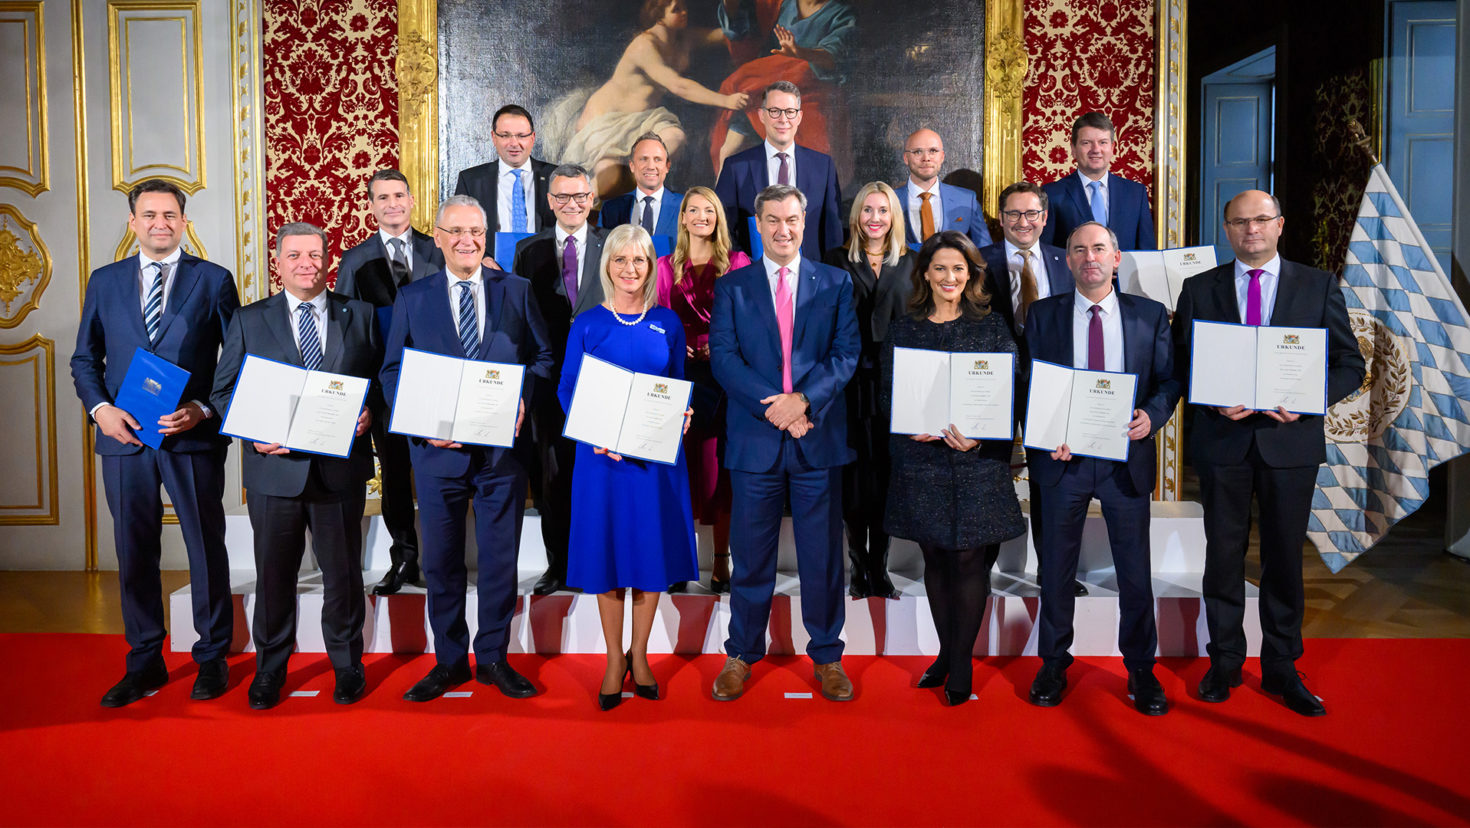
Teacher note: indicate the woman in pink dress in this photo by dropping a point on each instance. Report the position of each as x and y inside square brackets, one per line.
[686, 284]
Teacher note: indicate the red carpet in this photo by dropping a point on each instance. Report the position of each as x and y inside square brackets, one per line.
[1391, 751]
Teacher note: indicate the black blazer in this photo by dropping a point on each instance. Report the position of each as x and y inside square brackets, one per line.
[876, 300]
[364, 272]
[480, 181]
[536, 262]
[1305, 298]
[354, 347]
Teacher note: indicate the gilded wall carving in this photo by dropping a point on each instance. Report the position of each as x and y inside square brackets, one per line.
[25, 266]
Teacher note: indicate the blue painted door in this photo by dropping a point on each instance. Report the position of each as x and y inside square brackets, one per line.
[1236, 152]
[1419, 131]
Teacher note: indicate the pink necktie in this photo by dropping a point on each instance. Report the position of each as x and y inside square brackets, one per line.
[785, 315]
[1253, 298]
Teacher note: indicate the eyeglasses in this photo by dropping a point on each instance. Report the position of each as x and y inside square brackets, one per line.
[506, 136]
[561, 198]
[1017, 215]
[456, 232]
[776, 113]
[1243, 223]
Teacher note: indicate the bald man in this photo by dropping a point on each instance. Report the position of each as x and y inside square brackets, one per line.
[930, 206]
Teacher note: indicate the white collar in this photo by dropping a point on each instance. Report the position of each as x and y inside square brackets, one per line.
[580, 235]
[1109, 303]
[170, 259]
[1271, 268]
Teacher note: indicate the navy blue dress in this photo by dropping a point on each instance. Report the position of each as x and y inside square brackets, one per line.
[631, 521]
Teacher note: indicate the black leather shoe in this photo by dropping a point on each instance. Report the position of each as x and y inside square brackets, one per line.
[439, 681]
[502, 677]
[935, 674]
[265, 690]
[955, 698]
[1295, 695]
[678, 587]
[351, 685]
[1046, 690]
[549, 583]
[135, 685]
[857, 583]
[1148, 694]
[879, 585]
[1215, 686]
[1079, 589]
[397, 577]
[720, 586]
[213, 677]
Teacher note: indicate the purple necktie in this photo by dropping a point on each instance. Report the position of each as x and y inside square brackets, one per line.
[783, 175]
[569, 270]
[1253, 298]
[1095, 360]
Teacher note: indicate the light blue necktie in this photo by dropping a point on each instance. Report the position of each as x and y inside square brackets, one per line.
[153, 309]
[1099, 203]
[311, 345]
[518, 206]
[469, 328]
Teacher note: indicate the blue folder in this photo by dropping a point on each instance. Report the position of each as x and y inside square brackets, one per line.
[151, 389]
[756, 248]
[505, 248]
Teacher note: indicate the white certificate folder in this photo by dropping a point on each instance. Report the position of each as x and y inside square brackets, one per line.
[465, 400]
[1160, 274]
[1087, 410]
[932, 390]
[632, 414]
[1261, 367]
[310, 411]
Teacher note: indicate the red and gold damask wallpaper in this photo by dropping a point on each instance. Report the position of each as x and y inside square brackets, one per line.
[1085, 56]
[331, 111]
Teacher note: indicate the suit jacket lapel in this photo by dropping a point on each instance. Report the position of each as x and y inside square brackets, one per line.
[1079, 198]
[185, 281]
[590, 286]
[278, 322]
[1225, 294]
[1066, 354]
[1057, 273]
[423, 253]
[910, 234]
[438, 317]
[130, 297]
[805, 294]
[668, 214]
[494, 305]
[338, 315]
[1287, 310]
[1132, 337]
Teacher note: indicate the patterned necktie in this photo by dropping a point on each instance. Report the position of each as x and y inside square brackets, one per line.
[926, 216]
[785, 322]
[1095, 361]
[518, 219]
[153, 308]
[398, 262]
[647, 221]
[1253, 298]
[469, 323]
[1099, 203]
[783, 174]
[1028, 287]
[569, 270]
[311, 346]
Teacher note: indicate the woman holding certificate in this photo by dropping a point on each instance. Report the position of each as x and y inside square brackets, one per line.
[950, 494]
[686, 284]
[632, 528]
[882, 269]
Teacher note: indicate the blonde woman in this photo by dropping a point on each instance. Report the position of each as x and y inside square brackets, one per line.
[882, 268]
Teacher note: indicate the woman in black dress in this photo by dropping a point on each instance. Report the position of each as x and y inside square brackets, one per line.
[882, 269]
[952, 495]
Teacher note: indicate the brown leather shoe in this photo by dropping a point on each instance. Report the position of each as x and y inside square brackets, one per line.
[730, 683]
[836, 686]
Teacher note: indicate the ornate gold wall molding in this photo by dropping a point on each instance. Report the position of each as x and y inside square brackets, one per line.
[249, 143]
[418, 104]
[28, 129]
[25, 266]
[126, 22]
[36, 357]
[1006, 62]
[79, 119]
[1170, 119]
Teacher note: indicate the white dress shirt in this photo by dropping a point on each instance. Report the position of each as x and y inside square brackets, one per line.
[318, 305]
[505, 187]
[773, 273]
[477, 289]
[406, 238]
[561, 247]
[145, 276]
[1270, 280]
[658, 204]
[1112, 327]
[773, 164]
[916, 204]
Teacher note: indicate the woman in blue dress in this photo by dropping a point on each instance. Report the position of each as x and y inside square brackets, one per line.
[632, 528]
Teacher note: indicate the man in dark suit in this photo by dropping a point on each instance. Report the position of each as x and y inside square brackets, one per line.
[778, 160]
[469, 312]
[1099, 329]
[177, 307]
[1271, 454]
[1019, 271]
[291, 493]
[512, 189]
[649, 205]
[783, 344]
[930, 206]
[1094, 194]
[373, 271]
[561, 263]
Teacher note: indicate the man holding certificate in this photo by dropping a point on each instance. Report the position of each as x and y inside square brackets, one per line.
[291, 492]
[468, 312]
[1098, 329]
[1273, 454]
[783, 344]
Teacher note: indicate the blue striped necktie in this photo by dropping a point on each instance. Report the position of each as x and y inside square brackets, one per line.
[153, 308]
[311, 345]
[518, 206]
[469, 327]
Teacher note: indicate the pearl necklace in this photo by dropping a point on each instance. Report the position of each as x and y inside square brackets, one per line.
[620, 319]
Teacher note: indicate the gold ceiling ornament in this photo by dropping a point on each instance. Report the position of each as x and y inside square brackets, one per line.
[25, 266]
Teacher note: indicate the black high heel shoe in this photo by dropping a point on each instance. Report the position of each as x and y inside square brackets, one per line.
[642, 691]
[717, 586]
[608, 701]
[955, 697]
[935, 674]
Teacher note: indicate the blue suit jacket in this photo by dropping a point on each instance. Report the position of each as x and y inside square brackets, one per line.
[1128, 213]
[512, 332]
[745, 354]
[961, 212]
[745, 175]
[1148, 353]
[998, 279]
[201, 302]
[620, 210]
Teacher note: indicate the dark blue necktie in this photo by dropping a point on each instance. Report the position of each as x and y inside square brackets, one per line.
[311, 346]
[469, 327]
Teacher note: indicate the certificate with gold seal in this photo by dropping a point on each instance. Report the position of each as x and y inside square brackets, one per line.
[310, 411]
[629, 413]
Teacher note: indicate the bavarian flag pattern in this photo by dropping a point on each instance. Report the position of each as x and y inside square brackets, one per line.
[1413, 410]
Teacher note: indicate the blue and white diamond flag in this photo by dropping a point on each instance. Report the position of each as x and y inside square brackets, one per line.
[1413, 411]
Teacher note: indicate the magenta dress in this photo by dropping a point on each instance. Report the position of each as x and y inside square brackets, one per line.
[693, 299]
